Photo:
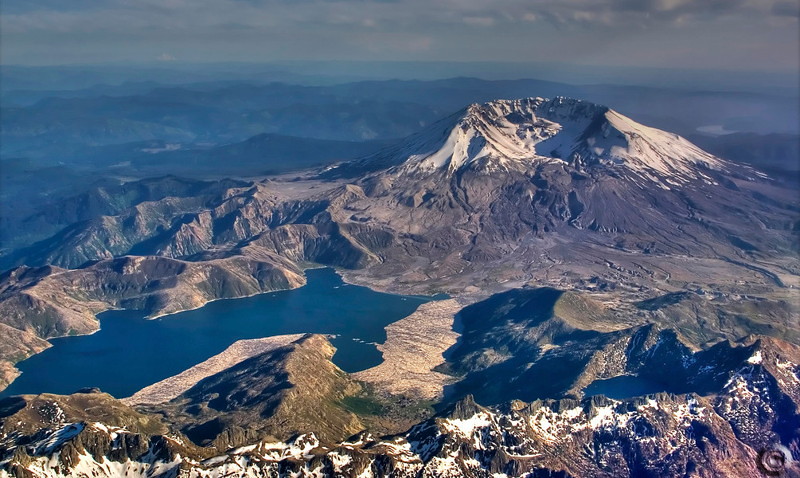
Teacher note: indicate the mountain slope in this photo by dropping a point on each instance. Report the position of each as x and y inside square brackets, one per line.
[111, 199]
[279, 394]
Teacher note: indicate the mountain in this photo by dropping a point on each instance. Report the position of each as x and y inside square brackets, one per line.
[500, 172]
[528, 167]
[560, 193]
[747, 426]
[515, 135]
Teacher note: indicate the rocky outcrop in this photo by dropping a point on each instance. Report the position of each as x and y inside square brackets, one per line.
[75, 428]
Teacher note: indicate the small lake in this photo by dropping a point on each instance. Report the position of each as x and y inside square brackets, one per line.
[622, 387]
[130, 352]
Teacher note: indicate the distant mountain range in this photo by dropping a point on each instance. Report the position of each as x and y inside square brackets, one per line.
[231, 112]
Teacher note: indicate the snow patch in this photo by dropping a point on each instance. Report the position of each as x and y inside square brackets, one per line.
[756, 358]
[467, 427]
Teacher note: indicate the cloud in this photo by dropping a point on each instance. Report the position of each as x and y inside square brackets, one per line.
[480, 21]
[654, 12]
[255, 13]
[474, 29]
[165, 57]
[419, 44]
[786, 9]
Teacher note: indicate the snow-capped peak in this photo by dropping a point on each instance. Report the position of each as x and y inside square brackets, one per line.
[494, 134]
[515, 134]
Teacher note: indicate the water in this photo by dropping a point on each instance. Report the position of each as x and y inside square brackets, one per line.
[622, 387]
[129, 352]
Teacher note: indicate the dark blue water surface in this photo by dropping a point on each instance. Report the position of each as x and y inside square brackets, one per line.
[130, 352]
[622, 387]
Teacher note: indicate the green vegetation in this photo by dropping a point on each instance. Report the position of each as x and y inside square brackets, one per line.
[363, 405]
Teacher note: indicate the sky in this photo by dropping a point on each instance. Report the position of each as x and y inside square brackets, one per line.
[744, 35]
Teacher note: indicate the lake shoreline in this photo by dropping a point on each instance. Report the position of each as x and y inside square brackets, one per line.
[322, 305]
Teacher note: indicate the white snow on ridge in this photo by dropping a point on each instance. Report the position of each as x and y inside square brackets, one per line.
[515, 134]
[652, 148]
[455, 443]
[503, 131]
[57, 438]
[467, 427]
[756, 358]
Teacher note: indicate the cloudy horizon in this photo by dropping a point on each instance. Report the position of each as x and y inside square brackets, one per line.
[747, 35]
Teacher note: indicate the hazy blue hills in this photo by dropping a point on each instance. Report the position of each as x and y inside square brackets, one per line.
[352, 111]
[265, 153]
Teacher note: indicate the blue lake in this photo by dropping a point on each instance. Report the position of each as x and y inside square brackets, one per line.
[130, 352]
[622, 387]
